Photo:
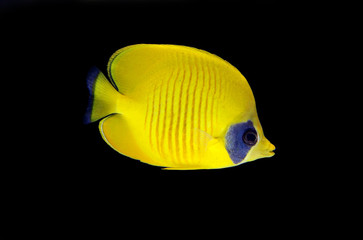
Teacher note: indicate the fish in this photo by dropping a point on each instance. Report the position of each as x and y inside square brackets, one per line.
[176, 107]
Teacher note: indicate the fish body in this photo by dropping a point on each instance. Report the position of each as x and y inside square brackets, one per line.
[177, 107]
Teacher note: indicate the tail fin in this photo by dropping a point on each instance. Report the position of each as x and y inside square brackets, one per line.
[103, 97]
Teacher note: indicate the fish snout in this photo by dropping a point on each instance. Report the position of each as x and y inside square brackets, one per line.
[269, 148]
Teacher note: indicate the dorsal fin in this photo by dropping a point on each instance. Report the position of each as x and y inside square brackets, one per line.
[131, 65]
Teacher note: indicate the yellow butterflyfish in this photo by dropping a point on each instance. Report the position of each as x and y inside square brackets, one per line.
[177, 107]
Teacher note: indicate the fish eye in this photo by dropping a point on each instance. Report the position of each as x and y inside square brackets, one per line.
[250, 137]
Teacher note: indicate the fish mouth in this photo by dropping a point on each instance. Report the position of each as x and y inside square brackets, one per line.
[270, 152]
[267, 148]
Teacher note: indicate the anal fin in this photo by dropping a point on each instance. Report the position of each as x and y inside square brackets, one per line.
[117, 134]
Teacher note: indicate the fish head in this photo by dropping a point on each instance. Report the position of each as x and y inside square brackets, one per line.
[245, 141]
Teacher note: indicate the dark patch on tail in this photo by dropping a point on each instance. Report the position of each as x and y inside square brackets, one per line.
[91, 79]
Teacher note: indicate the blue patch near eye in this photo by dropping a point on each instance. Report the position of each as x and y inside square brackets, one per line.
[235, 146]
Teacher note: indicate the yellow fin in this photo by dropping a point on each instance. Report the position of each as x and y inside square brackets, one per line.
[176, 168]
[117, 134]
[133, 65]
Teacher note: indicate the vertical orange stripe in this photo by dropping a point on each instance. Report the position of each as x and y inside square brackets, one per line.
[177, 130]
[152, 117]
[221, 85]
[195, 111]
[147, 111]
[199, 138]
[158, 121]
[192, 107]
[171, 147]
[162, 137]
[201, 98]
[213, 77]
[186, 111]
[207, 100]
[219, 89]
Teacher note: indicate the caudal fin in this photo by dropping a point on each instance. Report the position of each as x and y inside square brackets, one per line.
[103, 97]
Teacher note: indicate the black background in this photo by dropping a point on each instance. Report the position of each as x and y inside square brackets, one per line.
[63, 169]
